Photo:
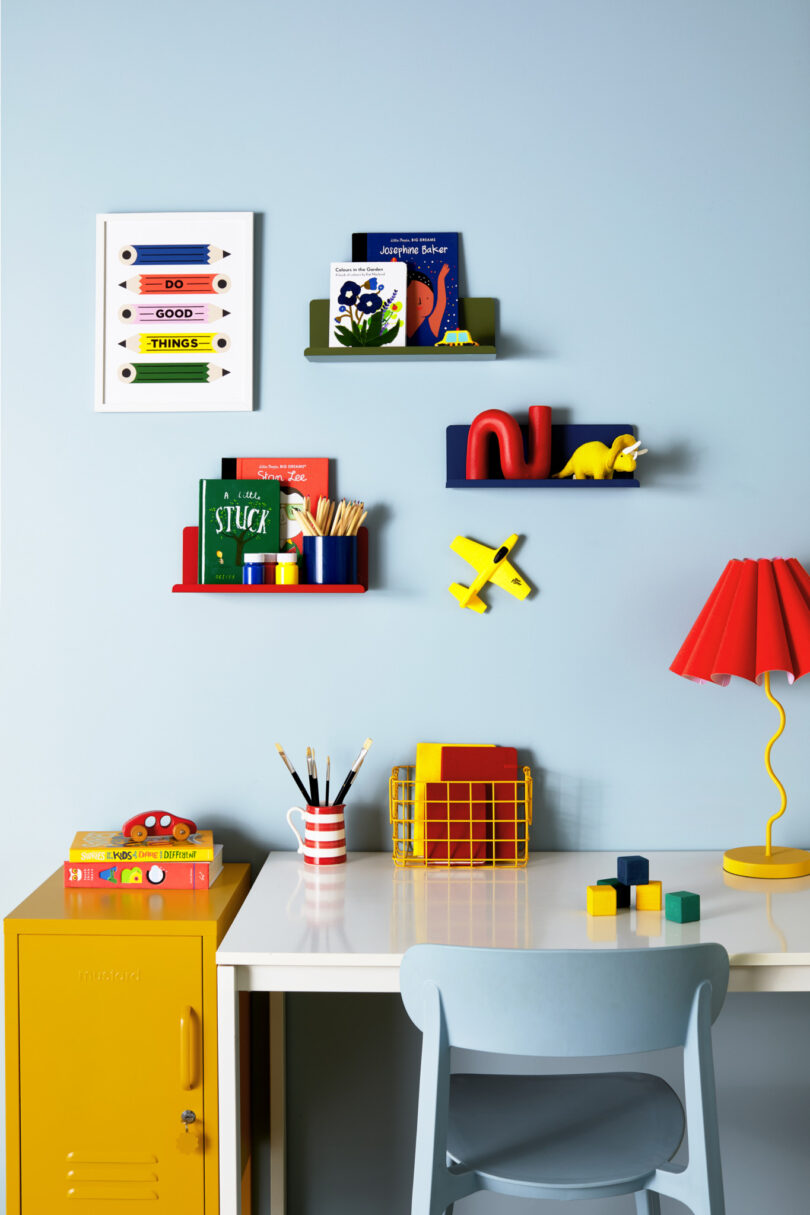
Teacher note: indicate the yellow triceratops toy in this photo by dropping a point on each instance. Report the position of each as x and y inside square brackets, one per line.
[598, 462]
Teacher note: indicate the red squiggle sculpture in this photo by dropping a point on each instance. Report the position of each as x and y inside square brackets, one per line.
[510, 445]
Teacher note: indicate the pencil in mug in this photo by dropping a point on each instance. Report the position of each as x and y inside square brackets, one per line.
[332, 519]
[293, 772]
[352, 773]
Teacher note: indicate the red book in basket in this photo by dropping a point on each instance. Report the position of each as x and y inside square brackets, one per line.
[149, 875]
[456, 821]
[506, 807]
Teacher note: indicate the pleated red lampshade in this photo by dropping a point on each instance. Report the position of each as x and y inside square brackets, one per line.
[756, 619]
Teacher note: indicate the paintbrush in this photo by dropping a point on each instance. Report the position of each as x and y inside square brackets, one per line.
[352, 773]
[313, 801]
[328, 769]
[315, 790]
[293, 772]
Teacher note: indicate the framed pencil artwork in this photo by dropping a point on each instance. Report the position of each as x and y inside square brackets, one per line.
[174, 312]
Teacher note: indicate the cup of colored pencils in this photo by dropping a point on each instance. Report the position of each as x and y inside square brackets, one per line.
[330, 540]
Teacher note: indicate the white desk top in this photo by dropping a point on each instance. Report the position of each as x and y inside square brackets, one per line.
[346, 927]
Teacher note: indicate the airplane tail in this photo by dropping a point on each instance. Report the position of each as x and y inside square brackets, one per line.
[475, 604]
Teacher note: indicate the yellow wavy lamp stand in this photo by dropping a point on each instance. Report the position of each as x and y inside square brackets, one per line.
[769, 862]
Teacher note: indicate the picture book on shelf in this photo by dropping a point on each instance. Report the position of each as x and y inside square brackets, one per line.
[236, 517]
[367, 303]
[147, 875]
[298, 479]
[112, 846]
[432, 280]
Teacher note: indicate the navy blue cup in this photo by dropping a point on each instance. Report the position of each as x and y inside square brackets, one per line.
[331, 560]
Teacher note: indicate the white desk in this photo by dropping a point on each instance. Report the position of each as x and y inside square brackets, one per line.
[345, 928]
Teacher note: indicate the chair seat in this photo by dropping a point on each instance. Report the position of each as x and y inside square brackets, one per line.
[523, 1133]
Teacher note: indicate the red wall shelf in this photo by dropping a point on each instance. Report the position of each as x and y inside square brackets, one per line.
[190, 585]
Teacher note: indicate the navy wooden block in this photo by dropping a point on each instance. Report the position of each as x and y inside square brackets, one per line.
[682, 906]
[633, 870]
[622, 891]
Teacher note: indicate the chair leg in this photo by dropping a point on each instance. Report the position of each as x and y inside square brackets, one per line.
[647, 1203]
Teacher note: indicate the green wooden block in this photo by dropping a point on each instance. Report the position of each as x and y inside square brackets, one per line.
[622, 891]
[682, 906]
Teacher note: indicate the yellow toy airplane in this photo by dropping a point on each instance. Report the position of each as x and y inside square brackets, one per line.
[491, 565]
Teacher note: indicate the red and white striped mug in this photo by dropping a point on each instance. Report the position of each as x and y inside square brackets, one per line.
[324, 841]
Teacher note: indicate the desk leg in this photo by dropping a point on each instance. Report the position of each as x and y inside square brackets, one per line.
[230, 1190]
[278, 1107]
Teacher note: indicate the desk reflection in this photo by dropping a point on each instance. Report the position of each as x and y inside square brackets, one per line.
[484, 907]
[319, 902]
[769, 888]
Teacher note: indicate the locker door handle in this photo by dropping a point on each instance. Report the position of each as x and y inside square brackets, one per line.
[187, 1048]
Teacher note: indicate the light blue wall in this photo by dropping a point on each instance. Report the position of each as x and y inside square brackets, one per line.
[632, 183]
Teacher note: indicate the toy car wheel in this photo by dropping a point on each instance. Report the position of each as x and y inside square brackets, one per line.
[138, 833]
[180, 831]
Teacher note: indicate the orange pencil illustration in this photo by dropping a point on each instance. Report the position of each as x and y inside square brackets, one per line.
[177, 284]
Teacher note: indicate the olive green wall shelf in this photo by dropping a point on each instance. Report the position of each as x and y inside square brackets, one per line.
[477, 315]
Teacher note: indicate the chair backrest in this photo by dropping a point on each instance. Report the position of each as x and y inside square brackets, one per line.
[563, 1002]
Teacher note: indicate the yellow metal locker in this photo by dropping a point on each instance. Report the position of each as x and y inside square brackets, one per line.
[111, 1048]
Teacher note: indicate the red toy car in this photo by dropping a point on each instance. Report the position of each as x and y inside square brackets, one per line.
[155, 822]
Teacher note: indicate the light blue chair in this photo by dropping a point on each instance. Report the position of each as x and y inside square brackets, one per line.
[573, 1136]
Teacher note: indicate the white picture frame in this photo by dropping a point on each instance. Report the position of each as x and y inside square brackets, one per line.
[161, 345]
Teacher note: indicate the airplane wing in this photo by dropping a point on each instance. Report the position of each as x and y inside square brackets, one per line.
[478, 555]
[508, 579]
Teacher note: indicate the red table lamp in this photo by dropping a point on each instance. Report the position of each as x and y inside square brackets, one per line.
[756, 620]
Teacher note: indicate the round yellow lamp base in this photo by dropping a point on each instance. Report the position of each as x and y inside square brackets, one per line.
[755, 863]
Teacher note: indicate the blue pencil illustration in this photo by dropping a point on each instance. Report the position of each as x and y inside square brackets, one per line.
[171, 255]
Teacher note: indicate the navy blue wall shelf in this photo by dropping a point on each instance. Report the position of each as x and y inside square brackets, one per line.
[565, 439]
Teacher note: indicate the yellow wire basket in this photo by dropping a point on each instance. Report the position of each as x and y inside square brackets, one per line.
[459, 823]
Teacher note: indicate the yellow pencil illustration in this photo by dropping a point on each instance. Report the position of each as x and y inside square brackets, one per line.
[177, 343]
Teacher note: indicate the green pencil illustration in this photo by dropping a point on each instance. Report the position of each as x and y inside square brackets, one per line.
[170, 373]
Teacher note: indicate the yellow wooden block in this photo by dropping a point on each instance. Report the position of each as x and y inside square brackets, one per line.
[649, 897]
[601, 900]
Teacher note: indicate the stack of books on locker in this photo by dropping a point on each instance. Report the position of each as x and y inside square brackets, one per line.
[105, 860]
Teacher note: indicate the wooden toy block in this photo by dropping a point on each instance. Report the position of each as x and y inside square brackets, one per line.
[622, 891]
[601, 900]
[649, 897]
[682, 906]
[633, 870]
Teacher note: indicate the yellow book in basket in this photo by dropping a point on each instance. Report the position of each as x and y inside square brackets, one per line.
[428, 768]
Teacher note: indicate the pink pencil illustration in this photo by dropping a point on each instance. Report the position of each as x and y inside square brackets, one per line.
[169, 314]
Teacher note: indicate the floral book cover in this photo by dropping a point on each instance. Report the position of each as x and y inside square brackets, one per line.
[298, 479]
[367, 304]
[432, 286]
[236, 517]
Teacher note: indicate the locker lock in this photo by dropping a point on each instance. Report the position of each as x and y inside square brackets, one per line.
[187, 1117]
